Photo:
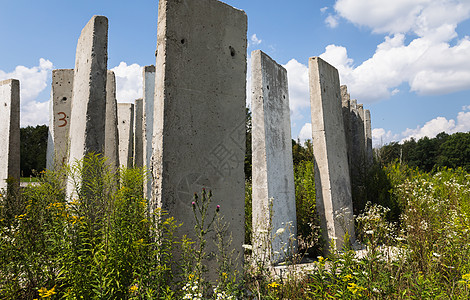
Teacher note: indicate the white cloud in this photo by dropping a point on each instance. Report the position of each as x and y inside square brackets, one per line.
[403, 16]
[332, 21]
[299, 97]
[306, 132]
[128, 82]
[323, 9]
[435, 62]
[464, 108]
[429, 129]
[32, 82]
[428, 68]
[254, 40]
[381, 137]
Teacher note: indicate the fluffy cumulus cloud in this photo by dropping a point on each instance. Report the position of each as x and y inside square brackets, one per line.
[306, 132]
[128, 82]
[430, 129]
[434, 62]
[33, 81]
[297, 77]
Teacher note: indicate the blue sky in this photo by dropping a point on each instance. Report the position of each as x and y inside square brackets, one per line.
[408, 61]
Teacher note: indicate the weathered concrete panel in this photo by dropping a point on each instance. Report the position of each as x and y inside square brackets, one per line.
[111, 144]
[149, 96]
[126, 134]
[199, 133]
[9, 131]
[273, 175]
[88, 113]
[332, 182]
[59, 119]
[346, 108]
[368, 138]
[138, 134]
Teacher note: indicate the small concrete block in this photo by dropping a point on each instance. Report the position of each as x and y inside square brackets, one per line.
[274, 223]
[9, 131]
[332, 182]
[138, 134]
[126, 134]
[59, 121]
[199, 117]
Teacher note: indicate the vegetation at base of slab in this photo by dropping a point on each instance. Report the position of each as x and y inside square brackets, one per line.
[105, 243]
[33, 148]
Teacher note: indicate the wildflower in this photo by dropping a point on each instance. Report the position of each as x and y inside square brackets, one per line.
[347, 277]
[280, 231]
[218, 208]
[371, 232]
[274, 285]
[45, 293]
[133, 288]
[247, 247]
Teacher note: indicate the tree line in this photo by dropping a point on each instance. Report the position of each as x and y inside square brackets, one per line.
[428, 154]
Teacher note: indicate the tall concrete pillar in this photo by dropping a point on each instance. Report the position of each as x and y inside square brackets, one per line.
[88, 113]
[126, 134]
[361, 133]
[138, 134]
[199, 133]
[149, 96]
[59, 119]
[346, 108]
[9, 131]
[368, 137]
[111, 144]
[274, 224]
[332, 182]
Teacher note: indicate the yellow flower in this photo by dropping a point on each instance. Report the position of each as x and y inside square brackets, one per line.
[347, 277]
[45, 293]
[133, 288]
[274, 285]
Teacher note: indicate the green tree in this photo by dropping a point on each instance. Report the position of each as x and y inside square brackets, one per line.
[33, 148]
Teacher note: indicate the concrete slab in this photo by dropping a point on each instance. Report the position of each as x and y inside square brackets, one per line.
[59, 119]
[199, 133]
[149, 96]
[368, 138]
[274, 221]
[111, 144]
[126, 134]
[332, 182]
[88, 113]
[9, 131]
[138, 134]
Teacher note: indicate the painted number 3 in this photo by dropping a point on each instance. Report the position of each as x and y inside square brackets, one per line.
[64, 116]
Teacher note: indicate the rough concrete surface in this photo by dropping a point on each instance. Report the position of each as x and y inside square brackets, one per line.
[368, 137]
[111, 143]
[88, 113]
[199, 133]
[9, 131]
[332, 182]
[59, 119]
[138, 134]
[126, 134]
[273, 175]
[149, 96]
